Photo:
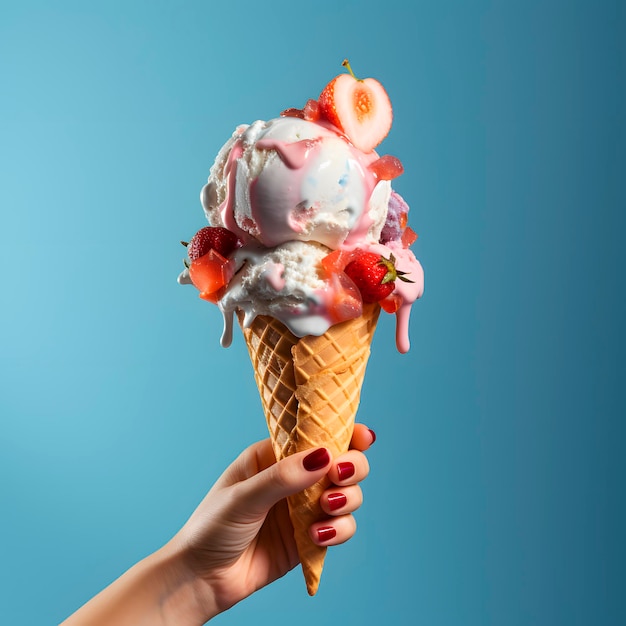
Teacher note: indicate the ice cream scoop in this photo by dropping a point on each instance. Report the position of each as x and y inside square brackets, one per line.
[289, 283]
[290, 179]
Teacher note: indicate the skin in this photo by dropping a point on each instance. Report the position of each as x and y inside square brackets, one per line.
[237, 541]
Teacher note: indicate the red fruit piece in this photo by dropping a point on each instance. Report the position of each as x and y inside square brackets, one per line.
[311, 111]
[215, 238]
[210, 273]
[374, 275]
[391, 303]
[386, 168]
[337, 260]
[409, 237]
[359, 108]
[292, 112]
[346, 302]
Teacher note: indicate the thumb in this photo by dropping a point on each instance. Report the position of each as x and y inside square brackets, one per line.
[284, 478]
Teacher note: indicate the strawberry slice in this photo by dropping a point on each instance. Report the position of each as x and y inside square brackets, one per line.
[360, 108]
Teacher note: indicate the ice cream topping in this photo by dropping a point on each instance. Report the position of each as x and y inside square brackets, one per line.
[302, 201]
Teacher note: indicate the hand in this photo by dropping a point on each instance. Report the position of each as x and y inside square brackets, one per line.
[240, 538]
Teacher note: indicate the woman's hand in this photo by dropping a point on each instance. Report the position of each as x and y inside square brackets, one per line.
[240, 538]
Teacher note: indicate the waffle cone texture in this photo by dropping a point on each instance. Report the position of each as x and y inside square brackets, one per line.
[310, 389]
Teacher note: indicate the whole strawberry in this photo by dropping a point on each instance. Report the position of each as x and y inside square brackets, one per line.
[222, 240]
[374, 275]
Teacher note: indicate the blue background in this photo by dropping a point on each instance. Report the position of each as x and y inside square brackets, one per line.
[496, 492]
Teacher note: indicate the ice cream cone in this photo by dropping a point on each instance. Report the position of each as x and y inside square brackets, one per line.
[310, 389]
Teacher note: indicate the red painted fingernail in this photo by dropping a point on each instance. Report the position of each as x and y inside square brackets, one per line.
[345, 470]
[326, 533]
[373, 435]
[336, 501]
[316, 460]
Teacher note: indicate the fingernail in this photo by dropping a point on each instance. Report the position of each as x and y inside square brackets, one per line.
[345, 470]
[326, 533]
[316, 460]
[336, 501]
[373, 435]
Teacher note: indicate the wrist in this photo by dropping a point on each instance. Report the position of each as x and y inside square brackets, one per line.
[186, 598]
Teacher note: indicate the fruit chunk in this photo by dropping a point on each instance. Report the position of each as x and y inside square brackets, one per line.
[210, 273]
[391, 303]
[222, 240]
[359, 108]
[409, 237]
[387, 167]
[374, 275]
[346, 302]
[337, 260]
[311, 111]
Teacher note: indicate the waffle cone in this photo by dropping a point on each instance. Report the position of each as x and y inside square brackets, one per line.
[310, 389]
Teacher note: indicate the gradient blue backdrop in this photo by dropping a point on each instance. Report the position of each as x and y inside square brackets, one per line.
[496, 493]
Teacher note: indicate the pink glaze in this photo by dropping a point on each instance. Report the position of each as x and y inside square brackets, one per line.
[227, 208]
[293, 155]
[274, 276]
[402, 327]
